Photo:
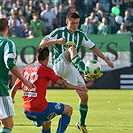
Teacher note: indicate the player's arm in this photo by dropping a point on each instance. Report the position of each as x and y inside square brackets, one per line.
[17, 73]
[50, 41]
[14, 89]
[97, 52]
[64, 84]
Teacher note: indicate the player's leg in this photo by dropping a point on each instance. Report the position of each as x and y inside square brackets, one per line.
[7, 125]
[7, 114]
[62, 65]
[46, 127]
[75, 78]
[65, 119]
[75, 59]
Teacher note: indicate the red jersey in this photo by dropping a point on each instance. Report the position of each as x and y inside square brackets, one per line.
[40, 75]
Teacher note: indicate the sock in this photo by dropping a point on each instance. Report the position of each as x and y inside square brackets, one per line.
[77, 61]
[63, 123]
[83, 109]
[45, 131]
[5, 130]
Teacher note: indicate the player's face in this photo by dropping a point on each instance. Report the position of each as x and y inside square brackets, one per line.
[72, 24]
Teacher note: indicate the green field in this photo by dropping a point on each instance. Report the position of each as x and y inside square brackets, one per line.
[110, 111]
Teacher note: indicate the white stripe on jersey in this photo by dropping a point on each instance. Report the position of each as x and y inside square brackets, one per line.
[8, 55]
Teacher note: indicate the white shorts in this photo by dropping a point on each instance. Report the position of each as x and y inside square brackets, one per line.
[67, 71]
[6, 107]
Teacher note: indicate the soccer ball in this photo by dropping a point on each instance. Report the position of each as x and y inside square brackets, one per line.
[93, 67]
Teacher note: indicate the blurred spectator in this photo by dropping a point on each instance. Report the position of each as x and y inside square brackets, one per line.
[15, 31]
[20, 13]
[55, 9]
[37, 25]
[87, 27]
[22, 22]
[2, 12]
[19, 4]
[94, 19]
[104, 27]
[36, 4]
[61, 16]
[49, 18]
[71, 6]
[99, 11]
[114, 26]
[1, 2]
[28, 12]
[128, 20]
[85, 9]
[105, 4]
[14, 17]
[50, 3]
[26, 30]
[30, 34]
[41, 7]
[31, 3]
[123, 30]
[65, 3]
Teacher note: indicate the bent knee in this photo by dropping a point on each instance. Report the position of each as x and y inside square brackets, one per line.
[68, 110]
[83, 97]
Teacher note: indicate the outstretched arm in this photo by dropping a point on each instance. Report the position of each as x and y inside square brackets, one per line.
[50, 42]
[64, 84]
[97, 52]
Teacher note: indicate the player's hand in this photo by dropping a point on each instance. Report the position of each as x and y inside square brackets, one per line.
[89, 76]
[13, 101]
[29, 84]
[110, 64]
[61, 41]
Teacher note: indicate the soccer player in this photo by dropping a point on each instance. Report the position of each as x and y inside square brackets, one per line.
[67, 35]
[7, 62]
[36, 107]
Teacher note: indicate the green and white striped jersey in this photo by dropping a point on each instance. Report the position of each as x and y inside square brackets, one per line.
[78, 37]
[7, 62]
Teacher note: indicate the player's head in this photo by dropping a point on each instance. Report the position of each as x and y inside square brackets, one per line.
[4, 26]
[42, 53]
[72, 21]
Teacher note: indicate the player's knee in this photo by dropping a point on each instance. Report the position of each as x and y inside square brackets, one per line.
[84, 98]
[46, 125]
[68, 110]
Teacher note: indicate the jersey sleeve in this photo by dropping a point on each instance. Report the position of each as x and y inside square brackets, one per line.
[54, 33]
[87, 42]
[53, 76]
[47, 38]
[10, 54]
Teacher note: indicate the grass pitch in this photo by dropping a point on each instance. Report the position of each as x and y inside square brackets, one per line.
[110, 111]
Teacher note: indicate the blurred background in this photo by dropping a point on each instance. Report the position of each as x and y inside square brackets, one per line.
[108, 23]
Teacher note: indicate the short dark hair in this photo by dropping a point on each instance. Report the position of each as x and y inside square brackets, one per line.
[42, 53]
[74, 15]
[3, 24]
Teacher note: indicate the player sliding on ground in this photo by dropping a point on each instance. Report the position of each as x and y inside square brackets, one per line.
[36, 107]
